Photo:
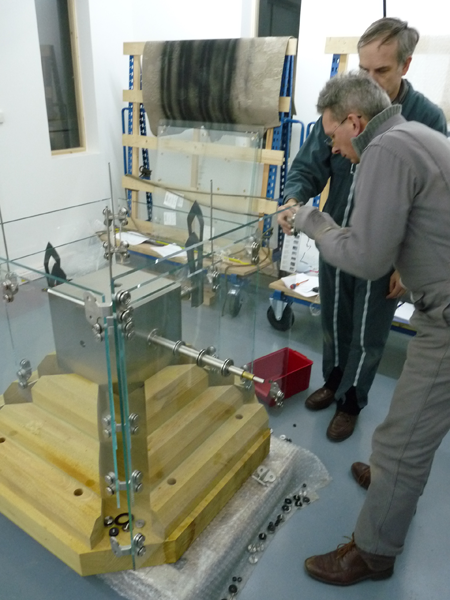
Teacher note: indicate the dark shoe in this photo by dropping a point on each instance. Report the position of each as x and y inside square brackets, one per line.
[321, 398]
[341, 426]
[361, 473]
[345, 566]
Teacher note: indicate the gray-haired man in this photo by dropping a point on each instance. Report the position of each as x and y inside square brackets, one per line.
[402, 218]
[356, 314]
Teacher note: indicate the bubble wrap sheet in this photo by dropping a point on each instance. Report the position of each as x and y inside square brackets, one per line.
[206, 568]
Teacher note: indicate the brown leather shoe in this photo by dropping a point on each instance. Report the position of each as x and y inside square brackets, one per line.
[361, 473]
[345, 566]
[321, 398]
[341, 426]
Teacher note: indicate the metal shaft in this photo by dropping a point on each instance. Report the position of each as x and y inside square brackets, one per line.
[202, 358]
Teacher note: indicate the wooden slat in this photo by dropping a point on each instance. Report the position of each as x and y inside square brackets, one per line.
[174, 499]
[183, 536]
[238, 204]
[130, 48]
[291, 49]
[70, 398]
[268, 157]
[436, 44]
[53, 440]
[69, 503]
[171, 389]
[133, 48]
[176, 439]
[341, 45]
[137, 96]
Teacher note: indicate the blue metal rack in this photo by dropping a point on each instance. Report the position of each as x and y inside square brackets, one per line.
[128, 153]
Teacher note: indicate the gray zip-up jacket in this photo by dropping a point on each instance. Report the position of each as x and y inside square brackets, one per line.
[401, 214]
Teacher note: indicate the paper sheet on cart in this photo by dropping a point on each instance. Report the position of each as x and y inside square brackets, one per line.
[404, 312]
[170, 250]
[305, 285]
[132, 237]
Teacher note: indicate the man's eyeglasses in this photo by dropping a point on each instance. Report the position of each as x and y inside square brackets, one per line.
[329, 140]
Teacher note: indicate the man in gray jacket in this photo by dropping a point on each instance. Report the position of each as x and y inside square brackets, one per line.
[401, 217]
[356, 314]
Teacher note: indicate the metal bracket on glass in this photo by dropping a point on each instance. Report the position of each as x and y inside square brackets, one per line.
[137, 544]
[113, 485]
[95, 315]
[110, 247]
[276, 394]
[214, 279]
[24, 373]
[133, 419]
[253, 247]
[125, 313]
[10, 287]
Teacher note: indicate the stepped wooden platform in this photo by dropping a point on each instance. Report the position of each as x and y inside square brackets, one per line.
[203, 442]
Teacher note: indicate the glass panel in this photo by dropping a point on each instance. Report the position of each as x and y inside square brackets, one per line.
[58, 376]
[186, 303]
[58, 73]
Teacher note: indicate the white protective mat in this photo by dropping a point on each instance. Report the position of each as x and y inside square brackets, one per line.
[222, 551]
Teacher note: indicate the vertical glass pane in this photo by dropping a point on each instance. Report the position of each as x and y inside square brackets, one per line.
[58, 73]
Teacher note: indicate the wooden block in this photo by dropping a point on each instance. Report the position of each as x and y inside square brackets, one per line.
[70, 504]
[62, 543]
[53, 440]
[171, 389]
[341, 45]
[49, 366]
[178, 437]
[133, 48]
[183, 536]
[71, 398]
[188, 485]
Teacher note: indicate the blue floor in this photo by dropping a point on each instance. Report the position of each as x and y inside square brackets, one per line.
[29, 572]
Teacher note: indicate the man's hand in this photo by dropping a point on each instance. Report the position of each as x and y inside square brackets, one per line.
[396, 289]
[286, 215]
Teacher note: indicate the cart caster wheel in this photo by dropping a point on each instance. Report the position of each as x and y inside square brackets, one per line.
[234, 301]
[286, 321]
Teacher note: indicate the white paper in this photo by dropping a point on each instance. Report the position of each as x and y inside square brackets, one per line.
[170, 250]
[207, 232]
[170, 218]
[304, 284]
[132, 237]
[404, 312]
[170, 200]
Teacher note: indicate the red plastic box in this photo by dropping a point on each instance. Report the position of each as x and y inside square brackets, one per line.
[290, 369]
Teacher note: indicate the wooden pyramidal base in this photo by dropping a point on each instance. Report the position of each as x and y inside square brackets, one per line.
[203, 442]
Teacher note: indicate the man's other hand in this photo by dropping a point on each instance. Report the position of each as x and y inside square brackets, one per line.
[396, 288]
[286, 215]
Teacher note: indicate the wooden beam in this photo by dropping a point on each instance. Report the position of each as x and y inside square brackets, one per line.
[436, 44]
[135, 48]
[137, 96]
[240, 204]
[341, 45]
[265, 157]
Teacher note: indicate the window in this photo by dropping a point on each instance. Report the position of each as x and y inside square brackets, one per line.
[279, 17]
[59, 58]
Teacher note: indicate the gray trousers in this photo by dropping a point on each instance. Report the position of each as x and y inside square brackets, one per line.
[356, 319]
[403, 447]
